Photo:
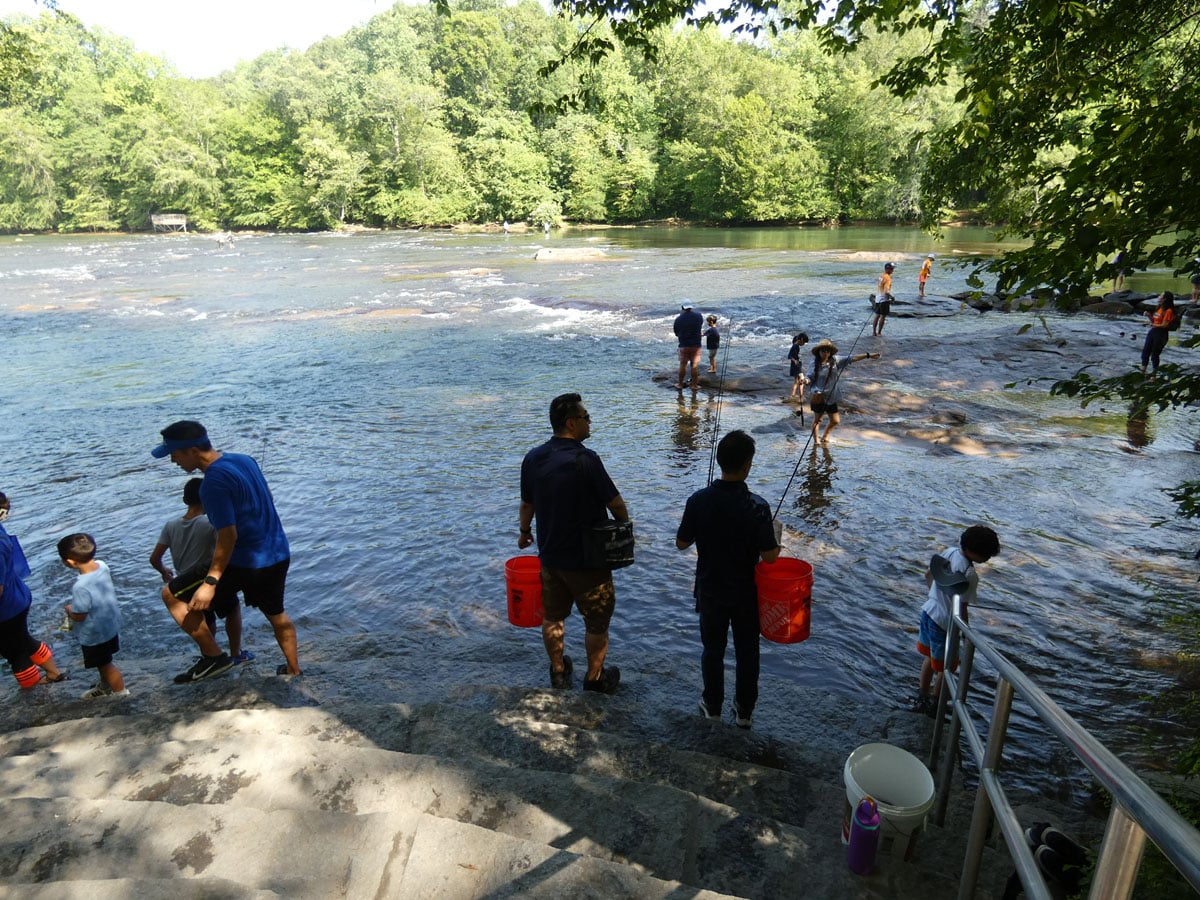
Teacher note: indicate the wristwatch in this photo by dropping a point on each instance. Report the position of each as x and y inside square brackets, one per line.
[208, 579]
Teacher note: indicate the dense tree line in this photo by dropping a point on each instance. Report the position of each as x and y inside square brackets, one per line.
[420, 118]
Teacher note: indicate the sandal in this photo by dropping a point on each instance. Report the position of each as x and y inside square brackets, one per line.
[282, 669]
[62, 676]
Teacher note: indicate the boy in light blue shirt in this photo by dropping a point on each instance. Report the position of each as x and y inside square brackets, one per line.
[951, 574]
[94, 612]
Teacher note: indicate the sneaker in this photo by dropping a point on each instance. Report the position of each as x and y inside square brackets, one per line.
[562, 680]
[205, 667]
[607, 683]
[1057, 870]
[244, 657]
[94, 693]
[741, 721]
[1044, 834]
[706, 712]
[923, 704]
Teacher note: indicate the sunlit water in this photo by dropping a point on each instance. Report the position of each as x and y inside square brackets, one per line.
[390, 384]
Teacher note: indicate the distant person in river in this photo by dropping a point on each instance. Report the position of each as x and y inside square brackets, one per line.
[1196, 280]
[27, 657]
[951, 573]
[94, 613]
[688, 327]
[795, 367]
[1118, 260]
[825, 385]
[883, 299]
[1161, 320]
[191, 541]
[732, 530]
[565, 487]
[712, 339]
[923, 275]
[252, 555]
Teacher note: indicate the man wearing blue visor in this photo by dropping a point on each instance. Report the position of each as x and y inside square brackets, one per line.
[252, 554]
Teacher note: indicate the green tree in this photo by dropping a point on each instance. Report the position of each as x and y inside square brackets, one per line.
[27, 187]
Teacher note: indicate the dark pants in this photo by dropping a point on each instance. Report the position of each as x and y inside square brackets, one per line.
[1156, 340]
[715, 623]
[16, 645]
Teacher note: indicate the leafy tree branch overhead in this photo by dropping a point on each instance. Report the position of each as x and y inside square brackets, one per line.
[1077, 130]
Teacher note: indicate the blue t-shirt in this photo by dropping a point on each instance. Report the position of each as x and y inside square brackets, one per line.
[234, 492]
[93, 593]
[731, 527]
[13, 572]
[570, 491]
[688, 326]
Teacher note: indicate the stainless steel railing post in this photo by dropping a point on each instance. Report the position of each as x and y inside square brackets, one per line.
[1120, 856]
[946, 769]
[981, 819]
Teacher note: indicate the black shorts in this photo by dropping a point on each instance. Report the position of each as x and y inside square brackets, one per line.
[261, 588]
[882, 309]
[97, 655]
[822, 408]
[183, 585]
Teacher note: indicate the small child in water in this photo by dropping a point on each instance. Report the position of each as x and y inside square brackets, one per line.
[950, 573]
[93, 609]
[712, 339]
[795, 367]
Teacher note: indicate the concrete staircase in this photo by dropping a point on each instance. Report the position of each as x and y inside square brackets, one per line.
[470, 792]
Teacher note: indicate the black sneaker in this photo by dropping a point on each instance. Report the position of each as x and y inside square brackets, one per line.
[562, 680]
[206, 667]
[706, 712]
[607, 683]
[921, 704]
[1044, 834]
[1057, 870]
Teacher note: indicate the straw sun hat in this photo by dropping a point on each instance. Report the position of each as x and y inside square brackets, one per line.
[826, 344]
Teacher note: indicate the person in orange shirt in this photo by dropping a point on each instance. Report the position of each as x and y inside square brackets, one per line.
[923, 275]
[1160, 329]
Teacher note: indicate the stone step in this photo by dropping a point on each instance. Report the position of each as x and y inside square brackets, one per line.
[292, 854]
[529, 728]
[310, 759]
[144, 889]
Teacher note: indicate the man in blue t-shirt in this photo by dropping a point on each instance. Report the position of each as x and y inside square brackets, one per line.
[688, 327]
[732, 530]
[252, 554]
[565, 486]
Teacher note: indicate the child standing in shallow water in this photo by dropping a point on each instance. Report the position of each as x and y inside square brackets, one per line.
[26, 656]
[712, 339]
[93, 609]
[795, 367]
[950, 573]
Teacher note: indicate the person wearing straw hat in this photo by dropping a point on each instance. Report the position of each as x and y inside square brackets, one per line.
[923, 275]
[732, 530]
[825, 385]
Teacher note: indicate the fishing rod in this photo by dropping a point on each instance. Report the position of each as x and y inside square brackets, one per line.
[833, 384]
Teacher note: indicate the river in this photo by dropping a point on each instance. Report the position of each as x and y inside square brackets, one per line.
[389, 384]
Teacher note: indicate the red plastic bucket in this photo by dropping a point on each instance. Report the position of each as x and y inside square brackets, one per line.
[523, 577]
[784, 599]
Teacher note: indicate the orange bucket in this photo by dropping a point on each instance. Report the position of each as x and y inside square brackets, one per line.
[784, 599]
[523, 577]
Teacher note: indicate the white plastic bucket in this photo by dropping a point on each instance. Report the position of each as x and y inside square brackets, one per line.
[902, 788]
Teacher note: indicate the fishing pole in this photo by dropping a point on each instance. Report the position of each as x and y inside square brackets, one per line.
[832, 385]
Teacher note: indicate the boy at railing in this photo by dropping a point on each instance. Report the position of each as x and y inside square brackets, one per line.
[950, 573]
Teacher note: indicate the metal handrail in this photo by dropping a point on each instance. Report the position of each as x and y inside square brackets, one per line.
[1137, 813]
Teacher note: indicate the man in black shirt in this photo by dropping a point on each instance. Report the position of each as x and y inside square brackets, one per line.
[566, 487]
[732, 530]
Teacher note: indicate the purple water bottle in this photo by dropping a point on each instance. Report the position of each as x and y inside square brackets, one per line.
[864, 837]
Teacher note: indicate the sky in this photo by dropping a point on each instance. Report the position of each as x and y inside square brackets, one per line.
[205, 38]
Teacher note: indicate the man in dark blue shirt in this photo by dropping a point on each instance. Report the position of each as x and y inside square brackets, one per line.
[732, 530]
[688, 327]
[565, 486]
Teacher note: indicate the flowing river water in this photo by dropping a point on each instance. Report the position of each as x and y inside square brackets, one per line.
[389, 383]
